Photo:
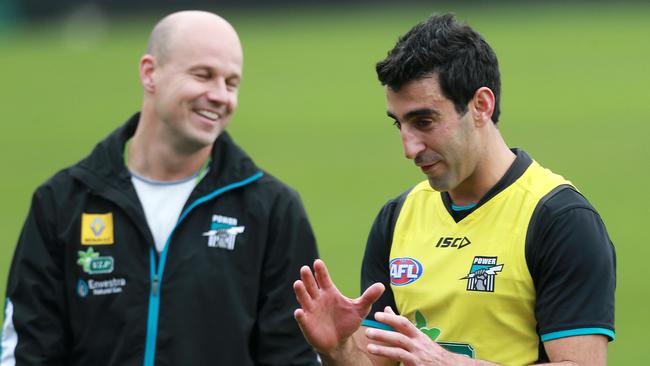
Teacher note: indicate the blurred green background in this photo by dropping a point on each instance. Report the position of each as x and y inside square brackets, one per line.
[575, 92]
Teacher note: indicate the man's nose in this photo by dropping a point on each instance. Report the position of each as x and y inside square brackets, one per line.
[219, 92]
[412, 144]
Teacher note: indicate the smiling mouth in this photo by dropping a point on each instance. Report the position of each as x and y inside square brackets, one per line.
[212, 116]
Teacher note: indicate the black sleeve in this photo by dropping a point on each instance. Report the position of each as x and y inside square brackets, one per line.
[278, 339]
[374, 267]
[573, 265]
[35, 293]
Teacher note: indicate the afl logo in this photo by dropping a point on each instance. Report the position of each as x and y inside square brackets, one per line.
[404, 271]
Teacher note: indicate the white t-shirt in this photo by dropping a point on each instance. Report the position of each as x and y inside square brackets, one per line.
[162, 202]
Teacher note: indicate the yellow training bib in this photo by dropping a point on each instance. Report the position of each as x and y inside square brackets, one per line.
[467, 284]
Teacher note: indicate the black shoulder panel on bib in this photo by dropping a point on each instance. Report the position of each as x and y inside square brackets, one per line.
[374, 267]
[572, 262]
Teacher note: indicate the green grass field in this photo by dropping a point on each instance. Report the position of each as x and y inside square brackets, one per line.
[311, 112]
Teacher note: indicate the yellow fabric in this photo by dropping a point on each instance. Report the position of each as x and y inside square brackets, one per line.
[498, 326]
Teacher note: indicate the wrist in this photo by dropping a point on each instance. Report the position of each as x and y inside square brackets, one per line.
[342, 354]
[456, 359]
[462, 360]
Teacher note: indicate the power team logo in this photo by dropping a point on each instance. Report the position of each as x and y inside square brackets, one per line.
[482, 274]
[404, 271]
[92, 263]
[96, 229]
[223, 232]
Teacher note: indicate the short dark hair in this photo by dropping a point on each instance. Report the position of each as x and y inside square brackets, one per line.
[440, 45]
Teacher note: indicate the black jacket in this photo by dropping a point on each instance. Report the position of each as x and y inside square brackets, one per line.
[197, 303]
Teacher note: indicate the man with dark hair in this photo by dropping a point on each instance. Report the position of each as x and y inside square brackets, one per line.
[493, 257]
[167, 245]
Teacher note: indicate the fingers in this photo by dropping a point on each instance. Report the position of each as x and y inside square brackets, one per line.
[303, 297]
[400, 323]
[371, 295]
[322, 275]
[392, 353]
[299, 315]
[301, 319]
[410, 349]
[308, 280]
[307, 288]
[390, 338]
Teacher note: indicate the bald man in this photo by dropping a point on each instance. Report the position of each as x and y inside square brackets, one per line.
[167, 245]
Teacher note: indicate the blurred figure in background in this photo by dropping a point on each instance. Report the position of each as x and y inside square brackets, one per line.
[492, 258]
[167, 244]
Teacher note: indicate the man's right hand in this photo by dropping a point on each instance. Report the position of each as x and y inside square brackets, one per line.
[326, 317]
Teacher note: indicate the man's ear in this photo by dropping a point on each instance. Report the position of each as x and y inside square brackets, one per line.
[147, 68]
[482, 105]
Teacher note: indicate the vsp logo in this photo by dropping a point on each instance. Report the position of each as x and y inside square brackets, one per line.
[404, 271]
[451, 242]
[91, 262]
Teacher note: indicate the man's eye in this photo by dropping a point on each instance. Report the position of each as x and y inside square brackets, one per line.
[232, 84]
[397, 124]
[422, 123]
[202, 75]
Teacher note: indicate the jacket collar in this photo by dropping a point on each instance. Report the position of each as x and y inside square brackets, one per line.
[105, 164]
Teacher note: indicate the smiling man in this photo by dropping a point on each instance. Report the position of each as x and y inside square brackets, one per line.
[167, 244]
[492, 259]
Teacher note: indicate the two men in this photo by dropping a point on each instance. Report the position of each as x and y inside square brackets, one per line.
[492, 258]
[167, 244]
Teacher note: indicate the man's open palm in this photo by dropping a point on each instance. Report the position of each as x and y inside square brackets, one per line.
[327, 318]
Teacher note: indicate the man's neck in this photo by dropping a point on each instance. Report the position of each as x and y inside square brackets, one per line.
[491, 167]
[153, 156]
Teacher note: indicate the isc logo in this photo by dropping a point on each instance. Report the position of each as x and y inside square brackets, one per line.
[404, 271]
[451, 242]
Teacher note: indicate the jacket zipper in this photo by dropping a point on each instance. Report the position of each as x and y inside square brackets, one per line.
[157, 273]
[154, 285]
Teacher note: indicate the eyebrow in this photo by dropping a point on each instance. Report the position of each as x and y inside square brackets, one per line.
[203, 67]
[415, 113]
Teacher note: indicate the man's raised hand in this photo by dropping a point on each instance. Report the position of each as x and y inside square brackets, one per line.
[326, 317]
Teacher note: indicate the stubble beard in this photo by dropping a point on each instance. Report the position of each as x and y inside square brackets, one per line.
[441, 184]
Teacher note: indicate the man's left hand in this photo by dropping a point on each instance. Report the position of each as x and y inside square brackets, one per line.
[408, 344]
